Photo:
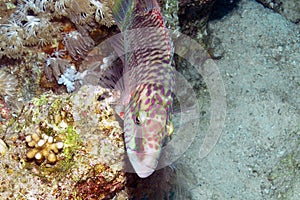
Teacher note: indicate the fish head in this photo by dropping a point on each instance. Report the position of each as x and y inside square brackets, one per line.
[147, 129]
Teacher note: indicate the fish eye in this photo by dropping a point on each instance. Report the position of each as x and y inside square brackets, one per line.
[140, 117]
[137, 120]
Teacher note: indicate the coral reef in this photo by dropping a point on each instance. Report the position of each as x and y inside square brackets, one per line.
[60, 33]
[30, 23]
[64, 147]
[49, 27]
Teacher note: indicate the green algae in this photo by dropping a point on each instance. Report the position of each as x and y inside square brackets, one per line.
[41, 100]
[71, 144]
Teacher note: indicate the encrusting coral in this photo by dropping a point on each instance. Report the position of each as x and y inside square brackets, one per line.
[70, 77]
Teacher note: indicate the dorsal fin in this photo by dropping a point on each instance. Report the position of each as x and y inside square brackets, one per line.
[146, 5]
[120, 10]
[124, 8]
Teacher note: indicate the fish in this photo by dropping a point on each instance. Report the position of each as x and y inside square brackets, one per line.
[146, 50]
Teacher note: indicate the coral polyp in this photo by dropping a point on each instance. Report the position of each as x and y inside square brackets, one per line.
[43, 148]
[39, 27]
[77, 44]
[8, 89]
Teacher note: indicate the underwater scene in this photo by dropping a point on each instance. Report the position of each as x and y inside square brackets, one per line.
[149, 99]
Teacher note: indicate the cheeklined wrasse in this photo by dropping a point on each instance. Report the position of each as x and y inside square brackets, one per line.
[146, 51]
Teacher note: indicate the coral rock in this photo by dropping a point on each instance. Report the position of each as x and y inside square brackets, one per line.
[288, 8]
[64, 146]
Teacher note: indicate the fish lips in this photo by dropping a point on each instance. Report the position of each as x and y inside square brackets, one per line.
[144, 164]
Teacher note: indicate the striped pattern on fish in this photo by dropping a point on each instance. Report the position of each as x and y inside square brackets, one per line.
[148, 81]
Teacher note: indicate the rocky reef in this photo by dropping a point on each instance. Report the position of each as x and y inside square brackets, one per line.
[64, 147]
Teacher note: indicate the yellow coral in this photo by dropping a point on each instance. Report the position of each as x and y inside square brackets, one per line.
[43, 148]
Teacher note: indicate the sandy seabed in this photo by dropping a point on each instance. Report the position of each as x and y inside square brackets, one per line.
[258, 153]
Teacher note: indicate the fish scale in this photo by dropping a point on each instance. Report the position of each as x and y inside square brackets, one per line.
[148, 80]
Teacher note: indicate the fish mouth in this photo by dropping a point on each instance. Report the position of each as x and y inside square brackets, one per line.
[144, 164]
